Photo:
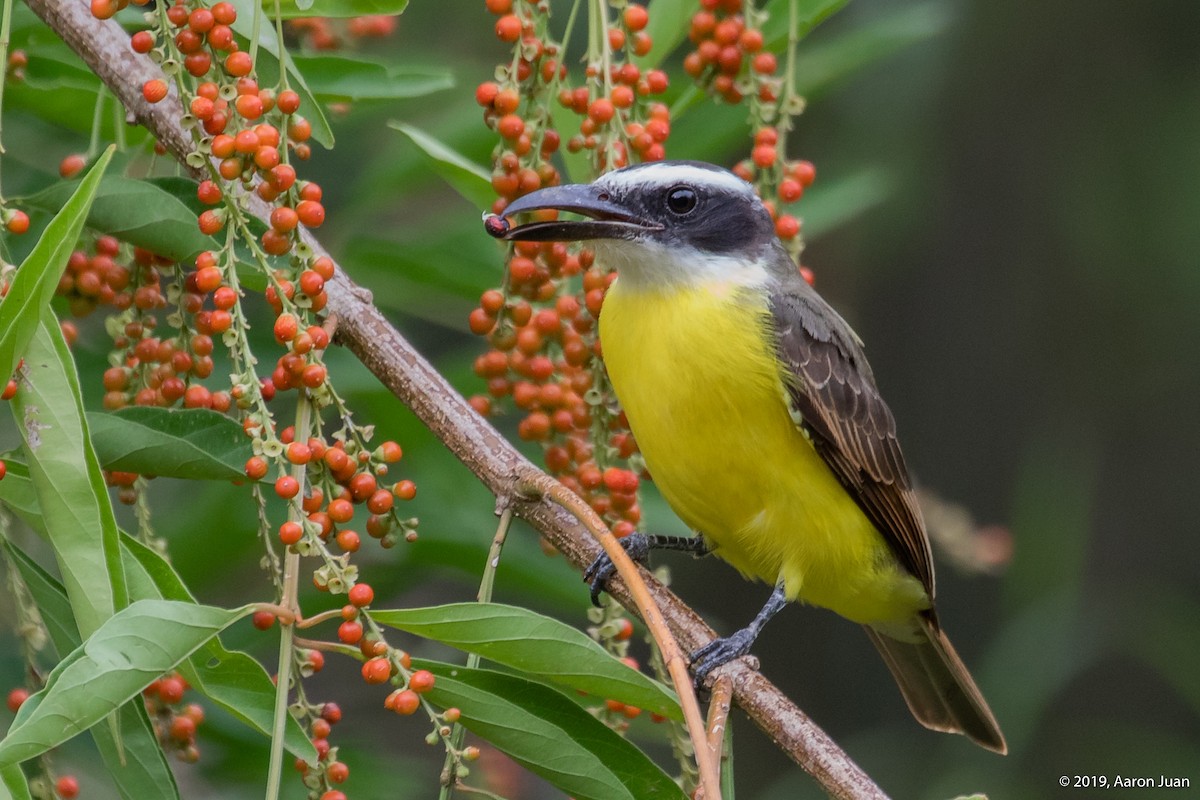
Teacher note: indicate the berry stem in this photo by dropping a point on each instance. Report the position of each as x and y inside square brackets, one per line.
[790, 97]
[486, 583]
[289, 600]
[255, 27]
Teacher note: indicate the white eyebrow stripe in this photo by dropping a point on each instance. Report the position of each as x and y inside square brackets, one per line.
[666, 174]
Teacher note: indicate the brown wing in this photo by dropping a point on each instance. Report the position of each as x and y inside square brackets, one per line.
[833, 398]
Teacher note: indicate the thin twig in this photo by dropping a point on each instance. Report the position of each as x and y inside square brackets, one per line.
[104, 47]
[673, 658]
[718, 714]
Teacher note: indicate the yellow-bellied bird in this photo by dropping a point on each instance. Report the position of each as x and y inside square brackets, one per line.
[759, 419]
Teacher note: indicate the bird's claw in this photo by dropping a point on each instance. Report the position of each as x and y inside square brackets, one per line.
[637, 545]
[719, 652]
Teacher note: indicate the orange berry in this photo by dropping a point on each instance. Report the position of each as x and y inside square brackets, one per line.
[508, 28]
[636, 17]
[421, 681]
[154, 90]
[376, 670]
[404, 702]
[239, 64]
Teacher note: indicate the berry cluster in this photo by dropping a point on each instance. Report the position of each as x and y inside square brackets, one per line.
[174, 722]
[542, 324]
[731, 62]
[321, 33]
[729, 58]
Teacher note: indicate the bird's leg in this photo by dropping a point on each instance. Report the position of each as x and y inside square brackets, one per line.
[721, 651]
[638, 546]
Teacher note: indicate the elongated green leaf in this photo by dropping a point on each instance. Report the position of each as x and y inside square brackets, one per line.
[121, 658]
[549, 735]
[139, 212]
[820, 66]
[195, 443]
[74, 502]
[268, 69]
[466, 177]
[341, 78]
[290, 9]
[13, 785]
[136, 762]
[51, 599]
[231, 679]
[809, 14]
[835, 203]
[536, 644]
[35, 281]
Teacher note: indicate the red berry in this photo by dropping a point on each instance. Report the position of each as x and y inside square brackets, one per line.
[287, 487]
[16, 697]
[310, 212]
[377, 670]
[508, 28]
[404, 702]
[636, 17]
[263, 620]
[154, 90]
[142, 42]
[421, 681]
[361, 594]
[67, 787]
[350, 632]
[17, 222]
[239, 64]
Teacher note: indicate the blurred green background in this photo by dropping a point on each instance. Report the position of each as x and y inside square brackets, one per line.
[1007, 210]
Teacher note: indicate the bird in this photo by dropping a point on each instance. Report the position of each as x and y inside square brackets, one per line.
[758, 418]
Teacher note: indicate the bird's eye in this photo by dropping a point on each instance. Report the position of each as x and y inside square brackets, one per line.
[681, 200]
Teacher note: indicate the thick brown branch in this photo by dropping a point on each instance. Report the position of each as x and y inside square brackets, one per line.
[104, 47]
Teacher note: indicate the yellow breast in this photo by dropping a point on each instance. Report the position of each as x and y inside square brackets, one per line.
[696, 373]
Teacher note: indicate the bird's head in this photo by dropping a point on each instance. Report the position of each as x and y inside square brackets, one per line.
[663, 222]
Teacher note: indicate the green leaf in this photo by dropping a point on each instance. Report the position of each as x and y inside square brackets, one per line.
[290, 9]
[341, 78]
[268, 70]
[138, 765]
[536, 644]
[75, 506]
[549, 734]
[231, 679]
[122, 657]
[139, 212]
[830, 205]
[820, 66]
[468, 178]
[36, 279]
[809, 14]
[195, 443]
[51, 599]
[136, 762]
[13, 785]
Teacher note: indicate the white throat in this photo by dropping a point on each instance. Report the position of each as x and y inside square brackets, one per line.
[650, 266]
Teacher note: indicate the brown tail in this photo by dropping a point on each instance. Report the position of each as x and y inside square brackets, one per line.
[937, 687]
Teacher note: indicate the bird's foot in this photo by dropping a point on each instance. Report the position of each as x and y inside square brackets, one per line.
[719, 652]
[637, 545]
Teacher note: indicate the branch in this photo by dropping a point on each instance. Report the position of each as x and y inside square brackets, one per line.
[104, 47]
